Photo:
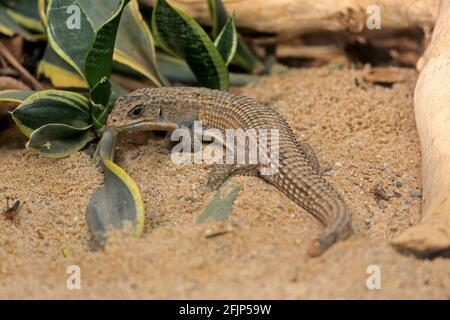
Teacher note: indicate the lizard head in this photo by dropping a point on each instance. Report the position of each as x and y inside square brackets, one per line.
[138, 111]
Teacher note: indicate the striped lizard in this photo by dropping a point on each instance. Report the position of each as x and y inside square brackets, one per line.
[298, 174]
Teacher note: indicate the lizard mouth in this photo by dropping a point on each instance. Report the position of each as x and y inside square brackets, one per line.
[146, 126]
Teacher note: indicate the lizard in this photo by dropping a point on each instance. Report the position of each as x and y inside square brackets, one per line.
[298, 176]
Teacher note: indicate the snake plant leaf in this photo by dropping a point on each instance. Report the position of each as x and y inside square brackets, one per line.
[181, 35]
[60, 73]
[58, 140]
[244, 58]
[88, 47]
[226, 42]
[117, 201]
[106, 147]
[17, 96]
[25, 13]
[9, 27]
[100, 95]
[42, 7]
[100, 113]
[135, 46]
[116, 92]
[218, 16]
[175, 69]
[98, 63]
[222, 203]
[70, 32]
[52, 106]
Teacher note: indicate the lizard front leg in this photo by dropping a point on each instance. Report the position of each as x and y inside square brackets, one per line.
[222, 171]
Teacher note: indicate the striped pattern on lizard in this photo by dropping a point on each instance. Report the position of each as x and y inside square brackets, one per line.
[298, 175]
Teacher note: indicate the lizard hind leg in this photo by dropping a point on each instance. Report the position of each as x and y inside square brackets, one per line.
[310, 156]
[222, 172]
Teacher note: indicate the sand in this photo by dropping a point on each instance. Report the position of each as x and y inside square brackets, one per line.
[365, 138]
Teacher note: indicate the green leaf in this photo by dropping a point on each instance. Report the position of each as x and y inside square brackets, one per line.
[25, 13]
[17, 96]
[116, 202]
[98, 66]
[218, 16]
[244, 57]
[100, 95]
[175, 69]
[42, 7]
[52, 106]
[10, 27]
[89, 48]
[226, 42]
[106, 146]
[58, 140]
[222, 203]
[72, 44]
[98, 61]
[116, 92]
[60, 73]
[181, 35]
[134, 44]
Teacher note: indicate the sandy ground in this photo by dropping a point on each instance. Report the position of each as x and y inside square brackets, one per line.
[366, 140]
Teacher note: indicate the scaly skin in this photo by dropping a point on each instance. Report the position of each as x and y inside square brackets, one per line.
[298, 177]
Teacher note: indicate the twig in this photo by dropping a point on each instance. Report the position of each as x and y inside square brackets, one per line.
[16, 64]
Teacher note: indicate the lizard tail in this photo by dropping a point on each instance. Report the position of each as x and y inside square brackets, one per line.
[338, 228]
[320, 199]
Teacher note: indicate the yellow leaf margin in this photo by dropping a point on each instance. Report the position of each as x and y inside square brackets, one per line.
[136, 194]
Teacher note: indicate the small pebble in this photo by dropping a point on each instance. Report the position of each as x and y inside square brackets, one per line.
[416, 193]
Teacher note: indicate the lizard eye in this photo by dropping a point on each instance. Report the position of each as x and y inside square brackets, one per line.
[136, 112]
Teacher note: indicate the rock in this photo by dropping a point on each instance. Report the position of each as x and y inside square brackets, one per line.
[416, 193]
[398, 183]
